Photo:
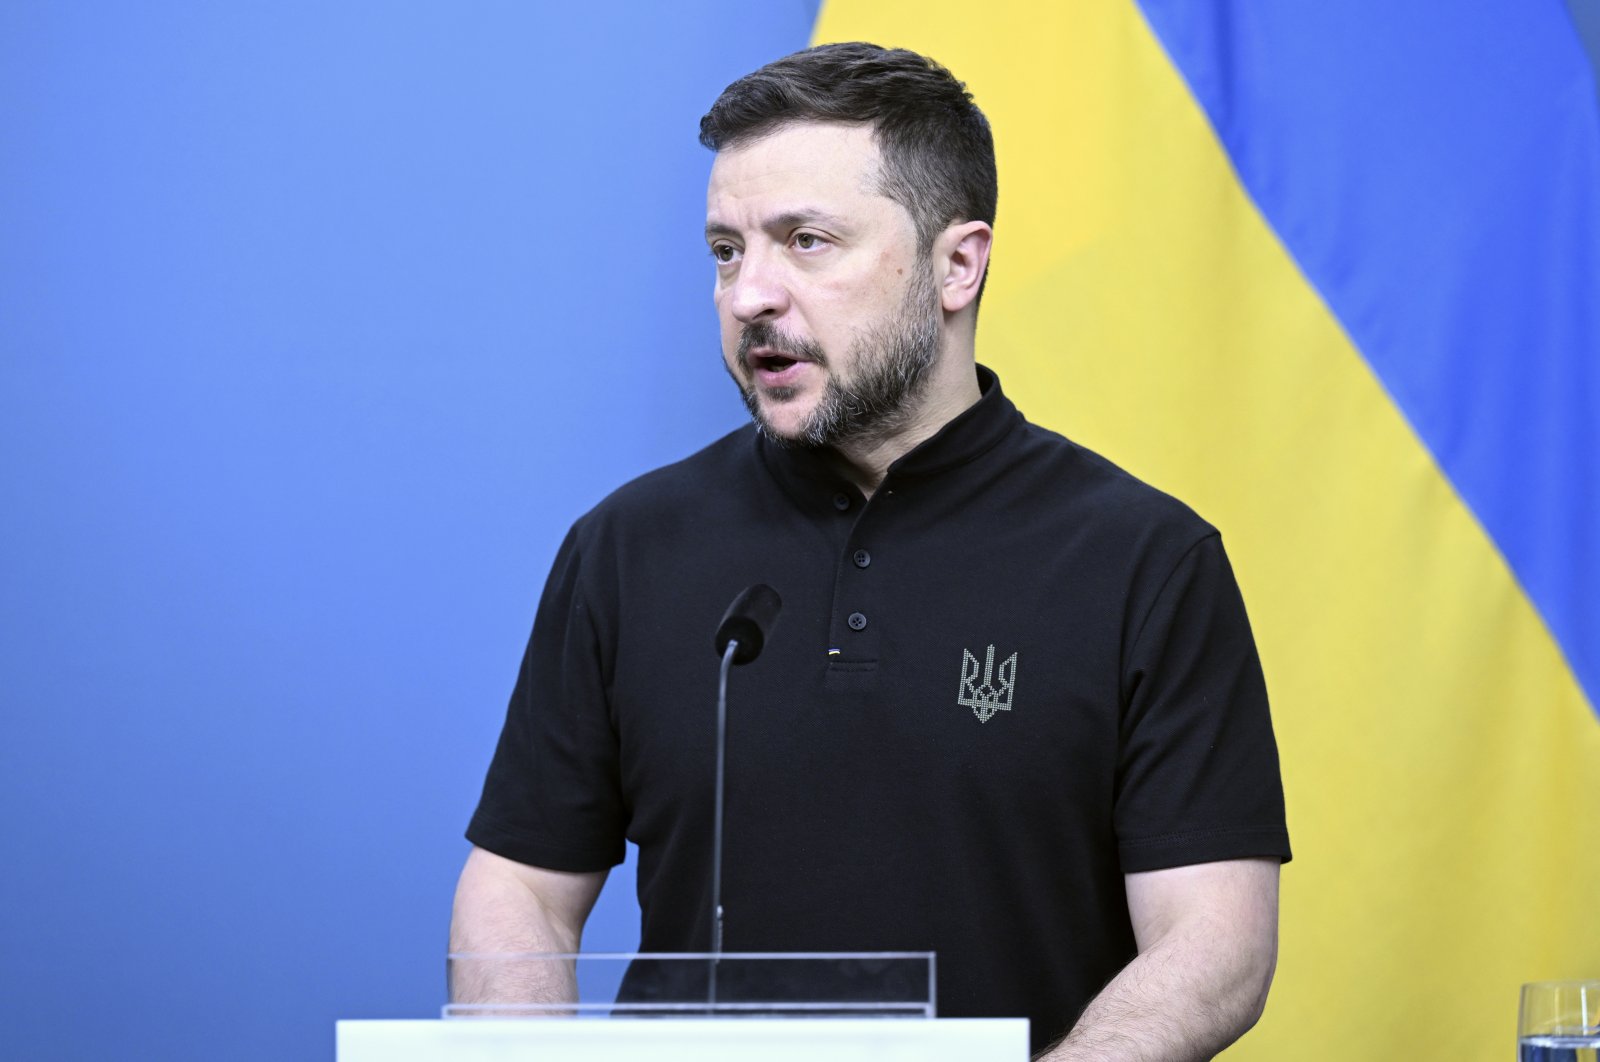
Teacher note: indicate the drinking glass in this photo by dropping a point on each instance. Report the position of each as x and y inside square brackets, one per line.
[1559, 1022]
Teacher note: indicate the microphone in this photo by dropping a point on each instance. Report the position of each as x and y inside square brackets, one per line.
[747, 622]
[740, 636]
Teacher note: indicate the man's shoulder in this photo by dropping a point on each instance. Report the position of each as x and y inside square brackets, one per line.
[1087, 485]
[690, 485]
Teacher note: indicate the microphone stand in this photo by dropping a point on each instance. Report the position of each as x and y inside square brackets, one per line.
[739, 638]
[716, 835]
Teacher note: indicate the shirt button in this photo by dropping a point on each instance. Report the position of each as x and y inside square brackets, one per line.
[841, 501]
[862, 558]
[857, 621]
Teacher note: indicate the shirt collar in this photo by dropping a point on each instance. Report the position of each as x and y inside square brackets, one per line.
[968, 436]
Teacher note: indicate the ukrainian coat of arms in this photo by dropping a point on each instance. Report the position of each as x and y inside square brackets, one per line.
[983, 688]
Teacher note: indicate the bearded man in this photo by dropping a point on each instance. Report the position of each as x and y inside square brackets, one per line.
[1013, 713]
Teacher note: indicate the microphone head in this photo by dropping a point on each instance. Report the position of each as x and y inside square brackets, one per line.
[748, 621]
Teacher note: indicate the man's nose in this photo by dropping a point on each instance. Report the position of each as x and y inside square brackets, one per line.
[759, 291]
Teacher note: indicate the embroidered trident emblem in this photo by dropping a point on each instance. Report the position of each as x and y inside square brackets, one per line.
[985, 698]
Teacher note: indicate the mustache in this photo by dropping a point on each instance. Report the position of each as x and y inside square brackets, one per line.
[760, 334]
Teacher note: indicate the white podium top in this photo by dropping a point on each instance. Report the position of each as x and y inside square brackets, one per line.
[685, 1040]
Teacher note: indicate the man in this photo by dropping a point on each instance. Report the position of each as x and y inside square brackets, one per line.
[1012, 712]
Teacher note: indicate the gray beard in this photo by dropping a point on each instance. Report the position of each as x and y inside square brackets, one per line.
[893, 361]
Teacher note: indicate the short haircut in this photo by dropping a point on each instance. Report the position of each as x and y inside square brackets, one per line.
[936, 147]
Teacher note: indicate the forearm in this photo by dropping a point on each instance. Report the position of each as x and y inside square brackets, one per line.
[1208, 945]
[501, 911]
[1170, 1006]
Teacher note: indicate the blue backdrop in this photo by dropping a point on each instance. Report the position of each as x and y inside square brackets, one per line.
[318, 326]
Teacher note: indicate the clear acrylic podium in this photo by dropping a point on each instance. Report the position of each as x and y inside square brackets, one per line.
[848, 1007]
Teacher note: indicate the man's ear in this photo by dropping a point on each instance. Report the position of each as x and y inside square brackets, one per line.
[960, 255]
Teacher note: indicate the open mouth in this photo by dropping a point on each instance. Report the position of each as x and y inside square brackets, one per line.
[775, 368]
[771, 362]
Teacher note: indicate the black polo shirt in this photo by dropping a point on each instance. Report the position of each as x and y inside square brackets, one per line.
[1012, 676]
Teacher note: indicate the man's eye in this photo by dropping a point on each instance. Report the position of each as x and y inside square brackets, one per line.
[805, 241]
[724, 252]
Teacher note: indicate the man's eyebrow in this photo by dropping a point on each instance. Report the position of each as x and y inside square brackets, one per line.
[805, 216]
[789, 219]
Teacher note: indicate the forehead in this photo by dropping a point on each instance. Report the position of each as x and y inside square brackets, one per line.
[830, 164]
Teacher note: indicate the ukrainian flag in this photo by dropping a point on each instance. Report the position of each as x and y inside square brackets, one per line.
[1331, 273]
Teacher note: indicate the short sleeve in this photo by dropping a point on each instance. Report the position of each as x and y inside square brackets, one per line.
[1197, 774]
[552, 796]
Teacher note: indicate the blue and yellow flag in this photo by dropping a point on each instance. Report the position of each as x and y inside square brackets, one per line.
[1331, 274]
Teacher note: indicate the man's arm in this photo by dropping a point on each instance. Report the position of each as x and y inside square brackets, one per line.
[1208, 943]
[505, 906]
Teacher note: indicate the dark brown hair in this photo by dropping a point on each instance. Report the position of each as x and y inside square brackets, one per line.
[937, 151]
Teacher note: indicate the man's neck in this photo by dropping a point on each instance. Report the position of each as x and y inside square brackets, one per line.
[951, 392]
